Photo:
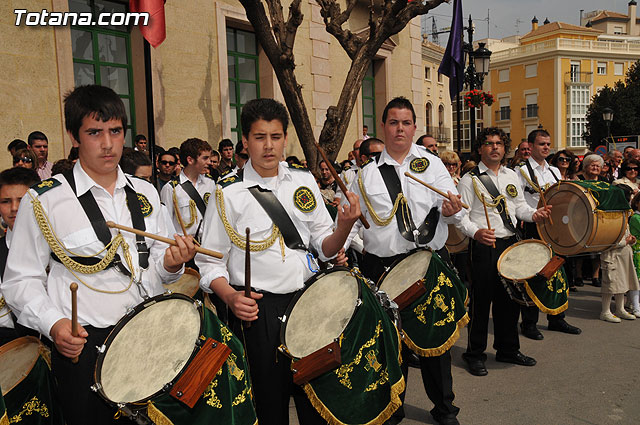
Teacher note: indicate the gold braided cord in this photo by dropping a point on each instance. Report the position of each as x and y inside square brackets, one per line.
[493, 204]
[531, 183]
[400, 199]
[3, 304]
[193, 214]
[241, 241]
[73, 266]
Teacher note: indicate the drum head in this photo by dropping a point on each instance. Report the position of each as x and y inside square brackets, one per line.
[457, 241]
[573, 218]
[188, 284]
[523, 260]
[17, 359]
[405, 273]
[150, 350]
[321, 313]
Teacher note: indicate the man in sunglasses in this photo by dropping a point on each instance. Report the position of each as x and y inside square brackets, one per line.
[536, 176]
[166, 167]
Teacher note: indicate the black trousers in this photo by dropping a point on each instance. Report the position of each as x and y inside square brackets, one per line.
[270, 370]
[488, 292]
[80, 405]
[7, 335]
[530, 314]
[435, 371]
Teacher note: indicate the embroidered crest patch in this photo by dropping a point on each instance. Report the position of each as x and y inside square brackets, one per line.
[512, 191]
[304, 200]
[45, 185]
[418, 165]
[206, 198]
[145, 205]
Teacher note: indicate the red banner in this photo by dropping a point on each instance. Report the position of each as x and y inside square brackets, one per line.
[155, 32]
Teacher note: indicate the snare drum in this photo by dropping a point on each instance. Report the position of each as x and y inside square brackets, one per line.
[533, 277]
[188, 284]
[587, 216]
[432, 301]
[142, 360]
[337, 308]
[457, 241]
[27, 383]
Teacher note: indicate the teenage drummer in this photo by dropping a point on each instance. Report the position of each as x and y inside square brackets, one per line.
[281, 238]
[498, 188]
[536, 176]
[396, 231]
[67, 215]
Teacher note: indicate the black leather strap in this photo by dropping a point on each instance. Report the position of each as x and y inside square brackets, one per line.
[404, 219]
[193, 194]
[279, 216]
[4, 253]
[495, 193]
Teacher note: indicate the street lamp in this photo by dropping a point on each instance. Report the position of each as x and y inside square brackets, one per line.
[473, 77]
[607, 116]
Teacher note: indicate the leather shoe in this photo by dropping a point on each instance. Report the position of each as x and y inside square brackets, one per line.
[531, 332]
[578, 281]
[476, 367]
[562, 326]
[516, 358]
[596, 282]
[446, 420]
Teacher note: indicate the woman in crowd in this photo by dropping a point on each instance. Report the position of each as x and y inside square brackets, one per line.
[564, 161]
[591, 167]
[452, 162]
[629, 174]
[606, 174]
[25, 158]
[634, 228]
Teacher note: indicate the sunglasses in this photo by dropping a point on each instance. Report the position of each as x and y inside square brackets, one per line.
[632, 169]
[163, 162]
[24, 159]
[450, 164]
[563, 159]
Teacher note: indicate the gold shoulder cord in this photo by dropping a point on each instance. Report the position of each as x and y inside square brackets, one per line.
[193, 214]
[495, 204]
[532, 184]
[241, 241]
[3, 304]
[400, 199]
[73, 266]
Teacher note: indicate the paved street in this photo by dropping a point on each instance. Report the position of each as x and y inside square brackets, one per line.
[592, 378]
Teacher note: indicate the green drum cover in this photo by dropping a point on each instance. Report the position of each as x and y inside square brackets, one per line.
[551, 296]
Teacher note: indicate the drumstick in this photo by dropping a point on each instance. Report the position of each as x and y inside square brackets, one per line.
[486, 215]
[337, 178]
[199, 249]
[74, 313]
[544, 202]
[436, 190]
[179, 216]
[247, 270]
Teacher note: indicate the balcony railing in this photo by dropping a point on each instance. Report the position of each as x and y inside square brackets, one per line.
[441, 134]
[503, 114]
[574, 78]
[530, 111]
[630, 48]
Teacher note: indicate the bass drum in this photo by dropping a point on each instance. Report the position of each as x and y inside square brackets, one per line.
[578, 225]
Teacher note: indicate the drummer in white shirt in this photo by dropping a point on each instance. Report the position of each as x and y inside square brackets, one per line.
[51, 216]
[537, 175]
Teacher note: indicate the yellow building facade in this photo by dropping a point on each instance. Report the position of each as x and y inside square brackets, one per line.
[437, 101]
[206, 69]
[549, 79]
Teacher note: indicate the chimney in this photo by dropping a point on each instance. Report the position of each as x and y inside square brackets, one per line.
[546, 21]
[632, 26]
[534, 24]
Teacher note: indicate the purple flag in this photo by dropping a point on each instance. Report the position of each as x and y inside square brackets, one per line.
[452, 64]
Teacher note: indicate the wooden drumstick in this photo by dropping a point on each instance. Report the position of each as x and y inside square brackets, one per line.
[247, 270]
[74, 313]
[179, 216]
[168, 241]
[436, 190]
[544, 202]
[486, 215]
[337, 178]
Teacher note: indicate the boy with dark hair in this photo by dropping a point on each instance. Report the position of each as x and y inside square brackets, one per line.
[75, 207]
[39, 144]
[278, 271]
[140, 143]
[225, 147]
[187, 196]
[16, 145]
[14, 183]
[138, 164]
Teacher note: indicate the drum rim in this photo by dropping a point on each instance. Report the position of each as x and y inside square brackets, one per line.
[17, 342]
[187, 270]
[396, 262]
[522, 242]
[313, 279]
[97, 374]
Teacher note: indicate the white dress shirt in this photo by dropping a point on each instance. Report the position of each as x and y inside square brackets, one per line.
[269, 272]
[205, 187]
[505, 181]
[5, 313]
[38, 300]
[386, 241]
[546, 175]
